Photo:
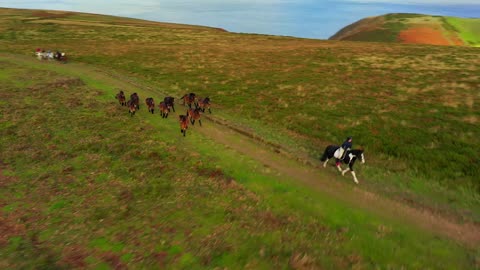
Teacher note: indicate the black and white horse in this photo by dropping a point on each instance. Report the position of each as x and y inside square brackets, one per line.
[349, 158]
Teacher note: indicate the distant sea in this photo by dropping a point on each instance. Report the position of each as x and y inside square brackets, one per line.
[302, 18]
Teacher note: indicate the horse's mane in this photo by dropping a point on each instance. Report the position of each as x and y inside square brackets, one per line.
[356, 151]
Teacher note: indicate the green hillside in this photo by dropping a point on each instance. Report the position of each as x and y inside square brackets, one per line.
[85, 185]
[414, 28]
[468, 29]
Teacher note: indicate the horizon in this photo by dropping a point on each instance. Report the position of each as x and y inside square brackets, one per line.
[303, 19]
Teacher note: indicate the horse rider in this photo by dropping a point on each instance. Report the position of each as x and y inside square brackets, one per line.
[346, 145]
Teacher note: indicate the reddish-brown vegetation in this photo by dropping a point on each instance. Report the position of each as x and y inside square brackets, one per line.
[426, 35]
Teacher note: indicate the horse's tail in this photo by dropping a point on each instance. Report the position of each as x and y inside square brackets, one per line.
[324, 156]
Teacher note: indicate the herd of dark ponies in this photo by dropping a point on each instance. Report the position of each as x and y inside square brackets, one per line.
[193, 114]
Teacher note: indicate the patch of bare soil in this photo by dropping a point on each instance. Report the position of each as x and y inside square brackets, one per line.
[425, 35]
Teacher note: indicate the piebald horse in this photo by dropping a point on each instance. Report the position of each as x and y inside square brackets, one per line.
[349, 158]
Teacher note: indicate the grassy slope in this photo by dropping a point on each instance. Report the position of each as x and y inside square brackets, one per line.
[387, 28]
[217, 64]
[468, 29]
[74, 155]
[411, 107]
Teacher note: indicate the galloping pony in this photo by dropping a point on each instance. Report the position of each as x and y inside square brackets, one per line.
[188, 99]
[183, 124]
[121, 98]
[150, 104]
[204, 104]
[194, 114]
[164, 110]
[59, 56]
[349, 158]
[132, 108]
[169, 101]
[136, 100]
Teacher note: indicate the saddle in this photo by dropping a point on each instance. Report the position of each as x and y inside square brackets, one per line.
[340, 153]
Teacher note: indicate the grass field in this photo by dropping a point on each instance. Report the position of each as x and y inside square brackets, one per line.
[88, 186]
[70, 154]
[469, 29]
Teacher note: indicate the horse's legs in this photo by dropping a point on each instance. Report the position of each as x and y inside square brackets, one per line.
[353, 173]
[200, 122]
[354, 177]
[337, 164]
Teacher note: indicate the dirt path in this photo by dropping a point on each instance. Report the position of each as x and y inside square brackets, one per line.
[306, 172]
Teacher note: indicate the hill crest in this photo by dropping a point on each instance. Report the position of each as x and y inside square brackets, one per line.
[414, 28]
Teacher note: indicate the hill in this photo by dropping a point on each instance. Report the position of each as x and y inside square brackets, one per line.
[85, 185]
[414, 29]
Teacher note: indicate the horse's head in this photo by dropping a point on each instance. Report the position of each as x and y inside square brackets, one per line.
[361, 154]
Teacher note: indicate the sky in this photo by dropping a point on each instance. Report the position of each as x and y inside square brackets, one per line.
[317, 19]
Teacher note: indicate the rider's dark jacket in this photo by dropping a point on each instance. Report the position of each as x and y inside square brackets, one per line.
[347, 145]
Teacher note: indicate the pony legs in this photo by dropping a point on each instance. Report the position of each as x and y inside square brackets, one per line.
[353, 173]
[337, 164]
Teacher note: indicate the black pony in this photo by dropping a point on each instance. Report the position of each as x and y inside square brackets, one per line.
[170, 102]
[349, 158]
[136, 100]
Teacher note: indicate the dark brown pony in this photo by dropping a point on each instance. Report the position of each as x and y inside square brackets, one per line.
[135, 99]
[188, 99]
[183, 124]
[194, 114]
[204, 104]
[164, 110]
[170, 101]
[121, 98]
[150, 104]
[132, 108]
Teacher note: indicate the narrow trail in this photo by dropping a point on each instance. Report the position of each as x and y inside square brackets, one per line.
[305, 171]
